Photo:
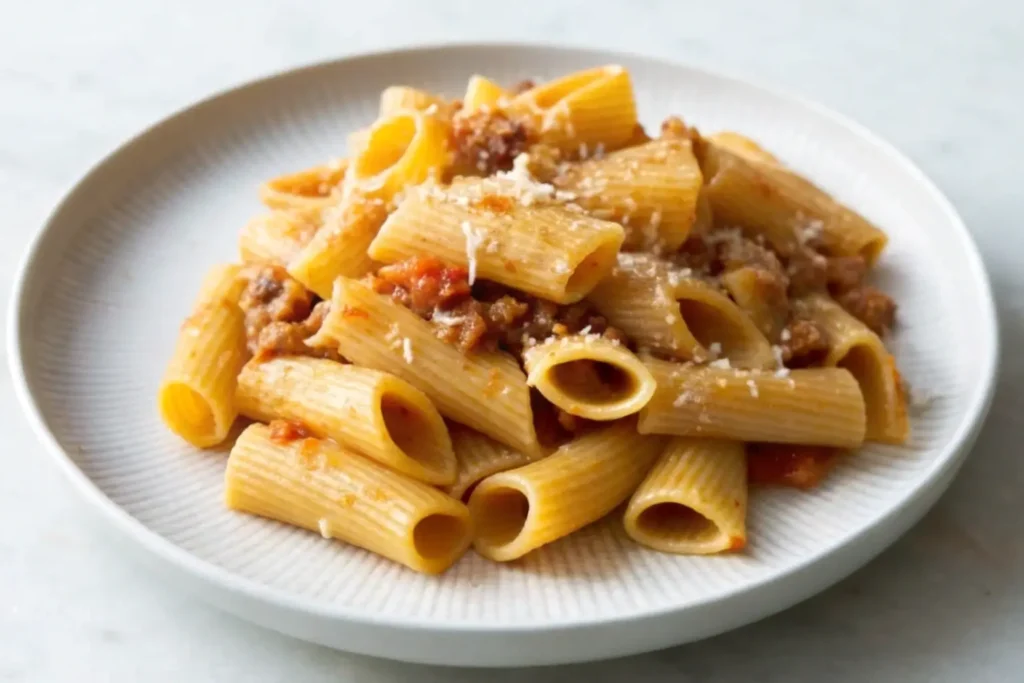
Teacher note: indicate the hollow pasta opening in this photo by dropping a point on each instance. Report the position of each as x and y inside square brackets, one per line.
[593, 382]
[676, 522]
[873, 249]
[387, 144]
[187, 411]
[591, 270]
[500, 514]
[411, 431]
[863, 364]
[710, 326]
[439, 536]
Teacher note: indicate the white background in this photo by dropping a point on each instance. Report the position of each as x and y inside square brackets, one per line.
[942, 80]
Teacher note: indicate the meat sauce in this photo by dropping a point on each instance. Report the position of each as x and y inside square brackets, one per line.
[280, 314]
[797, 466]
[486, 315]
[780, 279]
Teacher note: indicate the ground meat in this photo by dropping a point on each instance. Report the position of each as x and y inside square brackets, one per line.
[487, 315]
[674, 127]
[697, 253]
[739, 251]
[423, 284]
[789, 465]
[807, 271]
[289, 339]
[486, 141]
[722, 251]
[845, 272]
[872, 307]
[521, 87]
[804, 344]
[271, 296]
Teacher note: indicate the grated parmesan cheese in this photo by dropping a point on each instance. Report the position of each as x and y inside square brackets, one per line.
[715, 349]
[407, 350]
[752, 386]
[785, 335]
[446, 318]
[721, 364]
[474, 238]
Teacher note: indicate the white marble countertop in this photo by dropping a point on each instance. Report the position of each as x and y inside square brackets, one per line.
[941, 80]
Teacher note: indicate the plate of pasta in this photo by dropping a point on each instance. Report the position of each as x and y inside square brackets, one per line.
[492, 355]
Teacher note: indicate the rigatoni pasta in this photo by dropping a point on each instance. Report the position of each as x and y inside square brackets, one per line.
[591, 108]
[375, 413]
[318, 485]
[651, 189]
[589, 377]
[496, 320]
[522, 509]
[694, 499]
[275, 238]
[501, 230]
[486, 391]
[197, 395]
[787, 210]
[812, 406]
[669, 310]
[855, 347]
[480, 456]
[307, 190]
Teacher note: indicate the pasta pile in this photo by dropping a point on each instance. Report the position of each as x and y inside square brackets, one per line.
[501, 318]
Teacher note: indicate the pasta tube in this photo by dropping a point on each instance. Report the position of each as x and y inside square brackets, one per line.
[591, 377]
[495, 230]
[275, 238]
[479, 456]
[651, 189]
[401, 98]
[520, 510]
[197, 395]
[855, 347]
[372, 412]
[592, 107]
[486, 391]
[321, 486]
[786, 209]
[400, 150]
[310, 189]
[670, 311]
[694, 500]
[821, 406]
[482, 92]
[339, 248]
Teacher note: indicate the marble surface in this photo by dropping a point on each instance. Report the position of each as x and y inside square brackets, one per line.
[941, 80]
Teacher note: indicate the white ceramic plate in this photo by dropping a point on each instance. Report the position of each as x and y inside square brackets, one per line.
[113, 273]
